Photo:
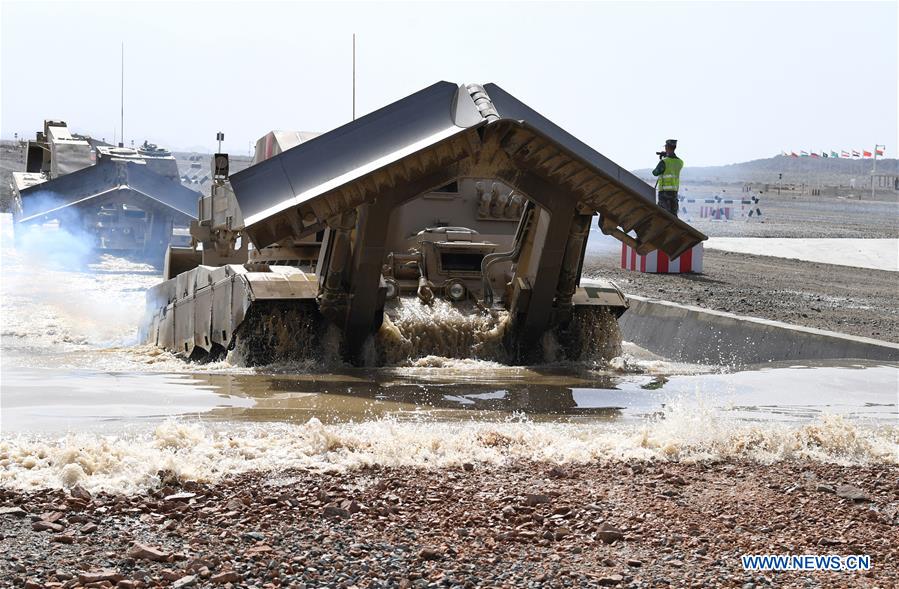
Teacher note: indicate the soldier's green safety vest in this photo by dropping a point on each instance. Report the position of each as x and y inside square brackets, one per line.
[670, 178]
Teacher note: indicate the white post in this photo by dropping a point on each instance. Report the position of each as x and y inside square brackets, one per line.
[874, 169]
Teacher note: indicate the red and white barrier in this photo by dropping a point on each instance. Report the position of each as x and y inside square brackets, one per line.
[658, 262]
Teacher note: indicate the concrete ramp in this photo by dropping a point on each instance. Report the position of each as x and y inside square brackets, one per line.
[433, 137]
[694, 334]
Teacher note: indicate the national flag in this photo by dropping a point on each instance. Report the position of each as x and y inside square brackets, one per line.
[855, 154]
[834, 154]
[814, 154]
[879, 151]
[845, 153]
[803, 153]
[824, 154]
[867, 153]
[793, 154]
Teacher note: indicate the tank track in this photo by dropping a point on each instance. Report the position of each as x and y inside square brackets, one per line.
[592, 335]
[279, 331]
[295, 331]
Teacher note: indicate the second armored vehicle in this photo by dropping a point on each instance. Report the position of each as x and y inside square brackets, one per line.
[117, 198]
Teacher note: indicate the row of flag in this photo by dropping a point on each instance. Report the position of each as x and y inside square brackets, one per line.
[842, 154]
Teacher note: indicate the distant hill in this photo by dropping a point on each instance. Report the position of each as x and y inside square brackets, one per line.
[826, 171]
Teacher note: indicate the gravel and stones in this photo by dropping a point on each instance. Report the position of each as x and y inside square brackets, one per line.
[612, 524]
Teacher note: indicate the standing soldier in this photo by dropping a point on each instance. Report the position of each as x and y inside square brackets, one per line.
[668, 172]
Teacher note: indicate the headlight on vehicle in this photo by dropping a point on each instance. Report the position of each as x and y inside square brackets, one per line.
[456, 290]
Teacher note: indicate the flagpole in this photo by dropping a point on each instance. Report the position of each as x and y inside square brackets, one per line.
[874, 169]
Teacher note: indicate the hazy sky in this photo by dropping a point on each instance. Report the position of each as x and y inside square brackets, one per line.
[731, 81]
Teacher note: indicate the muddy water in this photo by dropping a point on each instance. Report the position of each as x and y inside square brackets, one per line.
[83, 402]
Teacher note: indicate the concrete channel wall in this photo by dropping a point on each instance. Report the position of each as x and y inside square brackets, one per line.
[694, 334]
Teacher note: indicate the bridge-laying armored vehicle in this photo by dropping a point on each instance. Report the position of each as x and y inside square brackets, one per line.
[458, 197]
[120, 199]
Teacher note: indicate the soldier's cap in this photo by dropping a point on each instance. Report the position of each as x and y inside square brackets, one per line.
[671, 143]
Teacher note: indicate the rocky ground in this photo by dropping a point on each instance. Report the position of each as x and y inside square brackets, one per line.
[856, 301]
[523, 525]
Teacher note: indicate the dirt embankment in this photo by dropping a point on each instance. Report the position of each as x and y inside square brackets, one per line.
[855, 301]
[524, 524]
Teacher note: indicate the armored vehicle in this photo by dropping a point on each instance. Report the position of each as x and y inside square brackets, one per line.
[117, 198]
[455, 196]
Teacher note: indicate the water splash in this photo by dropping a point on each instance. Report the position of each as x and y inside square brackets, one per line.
[412, 330]
[55, 295]
[687, 431]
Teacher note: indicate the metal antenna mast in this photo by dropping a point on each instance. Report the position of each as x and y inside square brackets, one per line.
[354, 76]
[122, 103]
